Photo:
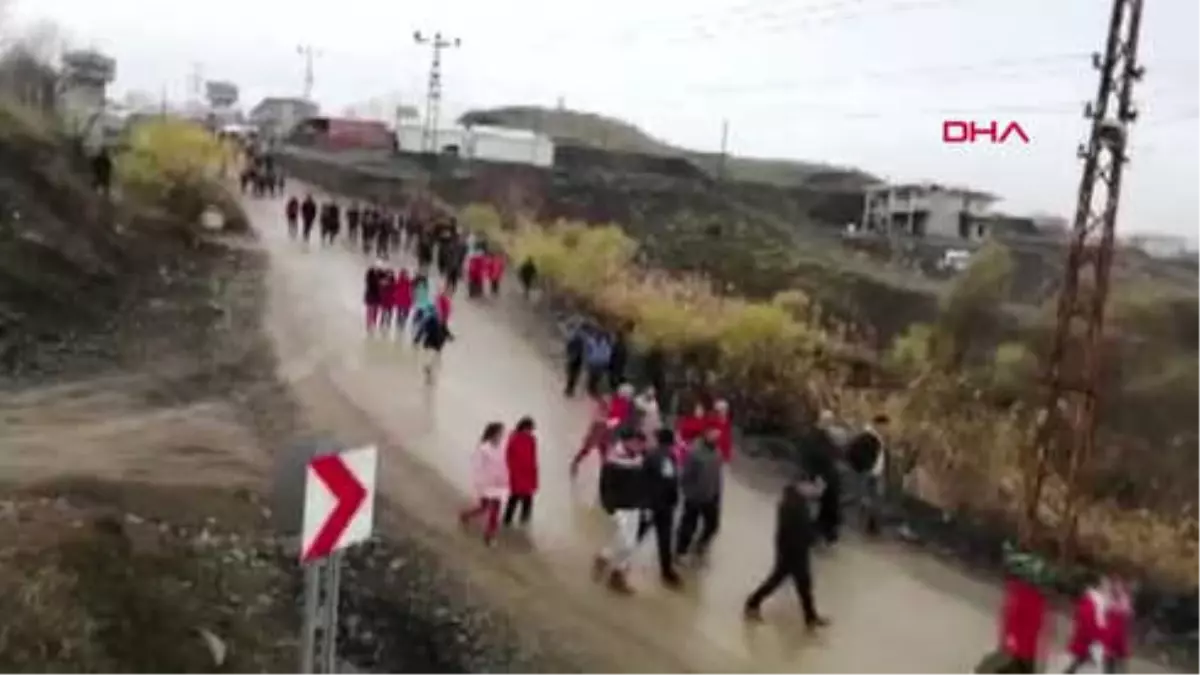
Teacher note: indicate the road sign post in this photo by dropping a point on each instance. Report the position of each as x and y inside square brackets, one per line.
[338, 511]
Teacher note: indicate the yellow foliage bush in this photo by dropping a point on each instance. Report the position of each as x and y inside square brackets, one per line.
[965, 449]
[174, 163]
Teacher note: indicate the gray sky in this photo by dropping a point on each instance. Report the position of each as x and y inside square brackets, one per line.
[863, 83]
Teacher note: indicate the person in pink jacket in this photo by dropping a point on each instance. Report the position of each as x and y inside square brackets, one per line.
[489, 473]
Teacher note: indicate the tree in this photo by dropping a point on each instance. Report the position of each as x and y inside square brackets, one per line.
[970, 311]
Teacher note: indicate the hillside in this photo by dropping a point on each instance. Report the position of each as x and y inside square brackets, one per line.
[573, 127]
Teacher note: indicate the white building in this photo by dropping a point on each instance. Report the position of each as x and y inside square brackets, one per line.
[927, 210]
[489, 144]
[276, 116]
[1161, 245]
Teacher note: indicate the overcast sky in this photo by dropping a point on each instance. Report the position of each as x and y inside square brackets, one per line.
[863, 83]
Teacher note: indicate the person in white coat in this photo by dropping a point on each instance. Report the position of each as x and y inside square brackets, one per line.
[649, 412]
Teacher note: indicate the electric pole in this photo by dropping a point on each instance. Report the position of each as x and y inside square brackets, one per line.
[724, 156]
[309, 53]
[1073, 373]
[433, 97]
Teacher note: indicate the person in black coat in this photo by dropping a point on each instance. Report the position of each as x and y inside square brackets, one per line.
[618, 359]
[574, 354]
[821, 455]
[793, 545]
[662, 495]
[308, 215]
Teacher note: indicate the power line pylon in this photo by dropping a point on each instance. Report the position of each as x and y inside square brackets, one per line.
[1074, 367]
[433, 96]
[309, 53]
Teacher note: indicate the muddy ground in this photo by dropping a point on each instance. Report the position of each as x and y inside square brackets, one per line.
[136, 456]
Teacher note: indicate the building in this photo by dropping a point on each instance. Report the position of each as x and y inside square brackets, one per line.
[923, 210]
[82, 94]
[337, 134]
[275, 116]
[488, 144]
[1166, 246]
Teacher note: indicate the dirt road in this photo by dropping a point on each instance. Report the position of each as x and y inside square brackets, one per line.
[894, 610]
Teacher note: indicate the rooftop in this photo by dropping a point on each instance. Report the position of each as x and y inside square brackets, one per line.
[935, 187]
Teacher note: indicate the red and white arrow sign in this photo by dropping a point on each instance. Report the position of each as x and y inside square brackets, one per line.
[339, 502]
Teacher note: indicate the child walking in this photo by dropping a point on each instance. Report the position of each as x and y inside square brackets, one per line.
[521, 454]
[489, 473]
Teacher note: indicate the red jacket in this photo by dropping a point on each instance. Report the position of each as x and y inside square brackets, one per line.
[522, 463]
[1085, 629]
[476, 268]
[724, 427]
[442, 303]
[496, 267]
[690, 428]
[402, 292]
[1117, 624]
[1022, 620]
[619, 410]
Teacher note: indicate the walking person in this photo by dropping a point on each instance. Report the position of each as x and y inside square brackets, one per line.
[489, 474]
[476, 273]
[596, 437]
[1022, 618]
[821, 455]
[495, 268]
[867, 455]
[650, 415]
[527, 276]
[308, 215]
[573, 351]
[1086, 644]
[691, 427]
[434, 336]
[387, 293]
[793, 560]
[402, 299]
[618, 359]
[353, 216]
[623, 496]
[292, 212]
[701, 481]
[521, 453]
[372, 282]
[719, 419]
[597, 350]
[662, 495]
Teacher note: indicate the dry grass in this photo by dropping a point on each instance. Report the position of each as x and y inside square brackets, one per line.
[790, 358]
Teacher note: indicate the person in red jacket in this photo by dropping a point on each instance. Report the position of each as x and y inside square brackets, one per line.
[387, 300]
[477, 267]
[521, 453]
[620, 408]
[691, 427]
[1087, 627]
[1117, 625]
[402, 299]
[495, 267]
[598, 434]
[1021, 621]
[719, 420]
[442, 304]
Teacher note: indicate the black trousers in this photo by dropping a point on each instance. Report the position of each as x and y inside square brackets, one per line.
[795, 567]
[574, 368]
[595, 379]
[706, 515]
[829, 508]
[662, 521]
[522, 502]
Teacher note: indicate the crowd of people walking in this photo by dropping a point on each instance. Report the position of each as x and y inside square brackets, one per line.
[659, 474]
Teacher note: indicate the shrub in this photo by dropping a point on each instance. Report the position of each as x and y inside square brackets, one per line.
[174, 164]
[780, 356]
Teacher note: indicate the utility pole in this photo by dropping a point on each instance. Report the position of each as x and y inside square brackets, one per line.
[309, 53]
[433, 97]
[724, 156]
[1074, 368]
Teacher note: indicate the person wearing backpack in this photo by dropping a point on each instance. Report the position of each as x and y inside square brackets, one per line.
[867, 456]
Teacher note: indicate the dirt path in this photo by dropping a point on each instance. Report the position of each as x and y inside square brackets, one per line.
[894, 610]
